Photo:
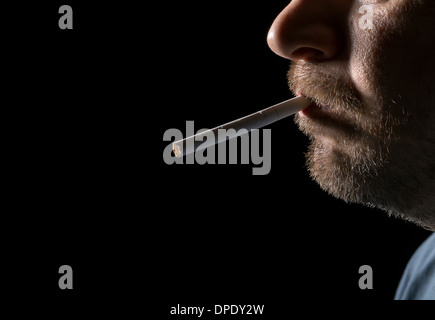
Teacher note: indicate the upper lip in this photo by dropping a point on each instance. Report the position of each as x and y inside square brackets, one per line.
[315, 101]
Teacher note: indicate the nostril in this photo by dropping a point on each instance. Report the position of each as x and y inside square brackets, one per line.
[307, 53]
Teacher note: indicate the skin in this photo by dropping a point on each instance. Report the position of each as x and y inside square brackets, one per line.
[372, 123]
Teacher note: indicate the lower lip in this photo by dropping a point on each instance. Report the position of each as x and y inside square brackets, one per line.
[313, 110]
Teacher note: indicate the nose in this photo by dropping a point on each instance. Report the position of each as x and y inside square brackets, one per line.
[307, 30]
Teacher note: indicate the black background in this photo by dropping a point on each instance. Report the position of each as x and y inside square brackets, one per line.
[85, 113]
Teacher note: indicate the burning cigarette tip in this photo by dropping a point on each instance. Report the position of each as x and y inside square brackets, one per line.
[177, 151]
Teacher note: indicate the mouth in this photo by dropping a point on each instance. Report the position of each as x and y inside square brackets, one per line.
[316, 109]
[323, 119]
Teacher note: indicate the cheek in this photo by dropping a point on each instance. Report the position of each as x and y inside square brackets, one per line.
[361, 76]
[395, 56]
[364, 65]
[370, 65]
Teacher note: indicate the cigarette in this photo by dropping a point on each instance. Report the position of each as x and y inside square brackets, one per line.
[256, 120]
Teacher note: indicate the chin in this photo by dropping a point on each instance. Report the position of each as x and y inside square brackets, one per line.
[370, 178]
[342, 172]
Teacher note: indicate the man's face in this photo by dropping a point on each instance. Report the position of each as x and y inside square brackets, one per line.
[369, 67]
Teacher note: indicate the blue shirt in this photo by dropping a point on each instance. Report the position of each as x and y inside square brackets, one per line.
[418, 280]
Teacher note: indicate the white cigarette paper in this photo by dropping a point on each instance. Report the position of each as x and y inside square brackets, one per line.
[253, 121]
